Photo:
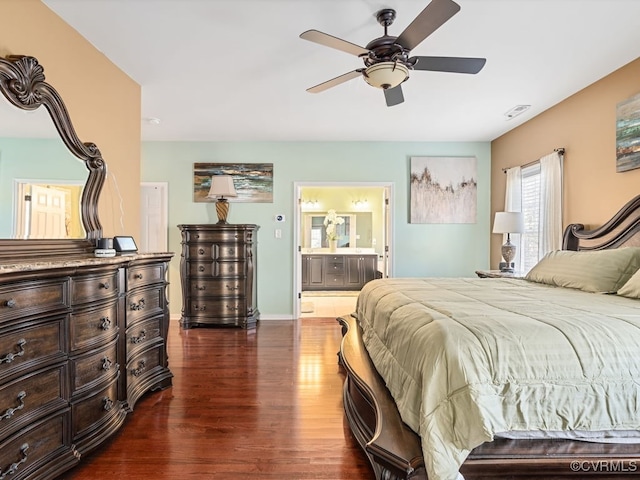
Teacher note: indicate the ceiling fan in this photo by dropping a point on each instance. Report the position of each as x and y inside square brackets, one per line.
[386, 59]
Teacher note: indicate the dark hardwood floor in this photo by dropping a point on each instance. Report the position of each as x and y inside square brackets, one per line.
[257, 404]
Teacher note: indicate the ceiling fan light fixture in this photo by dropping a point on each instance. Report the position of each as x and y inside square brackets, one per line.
[386, 74]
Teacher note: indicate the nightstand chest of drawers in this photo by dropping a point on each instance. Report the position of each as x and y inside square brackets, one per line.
[218, 275]
[498, 274]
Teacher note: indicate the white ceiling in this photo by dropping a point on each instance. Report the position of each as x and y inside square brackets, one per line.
[237, 70]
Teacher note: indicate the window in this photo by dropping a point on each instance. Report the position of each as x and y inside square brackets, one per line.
[529, 240]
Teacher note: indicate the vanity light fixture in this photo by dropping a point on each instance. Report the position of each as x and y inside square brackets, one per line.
[221, 187]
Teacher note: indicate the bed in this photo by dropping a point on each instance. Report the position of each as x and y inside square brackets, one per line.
[515, 378]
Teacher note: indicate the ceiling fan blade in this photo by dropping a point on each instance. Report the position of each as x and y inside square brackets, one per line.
[393, 96]
[333, 42]
[449, 64]
[335, 81]
[428, 21]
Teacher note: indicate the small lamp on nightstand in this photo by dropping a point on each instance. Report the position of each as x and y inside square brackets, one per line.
[221, 187]
[508, 222]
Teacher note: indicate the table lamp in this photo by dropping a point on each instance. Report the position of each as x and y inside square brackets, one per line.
[508, 222]
[221, 187]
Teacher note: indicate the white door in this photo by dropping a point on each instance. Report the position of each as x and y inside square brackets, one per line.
[48, 208]
[154, 217]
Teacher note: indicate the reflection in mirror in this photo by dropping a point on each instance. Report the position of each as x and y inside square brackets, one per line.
[355, 232]
[25, 213]
[29, 157]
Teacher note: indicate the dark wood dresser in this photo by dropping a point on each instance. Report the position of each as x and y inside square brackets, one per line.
[218, 273]
[81, 339]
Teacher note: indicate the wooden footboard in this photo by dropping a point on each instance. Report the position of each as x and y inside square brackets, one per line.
[393, 449]
[395, 452]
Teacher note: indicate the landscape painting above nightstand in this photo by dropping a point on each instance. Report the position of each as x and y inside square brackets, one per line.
[253, 181]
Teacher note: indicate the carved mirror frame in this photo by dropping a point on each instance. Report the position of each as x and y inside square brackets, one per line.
[22, 82]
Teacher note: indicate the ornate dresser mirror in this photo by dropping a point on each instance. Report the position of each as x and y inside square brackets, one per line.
[22, 82]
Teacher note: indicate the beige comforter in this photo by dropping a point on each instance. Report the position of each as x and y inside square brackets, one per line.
[466, 359]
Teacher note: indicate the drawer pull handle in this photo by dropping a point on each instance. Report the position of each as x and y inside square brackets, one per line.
[136, 372]
[201, 268]
[105, 323]
[232, 268]
[231, 251]
[105, 285]
[233, 308]
[107, 404]
[13, 468]
[106, 363]
[9, 412]
[10, 303]
[138, 276]
[233, 288]
[10, 357]
[201, 287]
[201, 251]
[140, 338]
[137, 306]
[200, 308]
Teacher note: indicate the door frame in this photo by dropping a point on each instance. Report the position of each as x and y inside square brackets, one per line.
[387, 249]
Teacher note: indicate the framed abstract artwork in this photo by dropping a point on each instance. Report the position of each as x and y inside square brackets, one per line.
[443, 190]
[253, 182]
[628, 134]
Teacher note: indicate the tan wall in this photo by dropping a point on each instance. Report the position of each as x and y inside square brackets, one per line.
[103, 102]
[585, 124]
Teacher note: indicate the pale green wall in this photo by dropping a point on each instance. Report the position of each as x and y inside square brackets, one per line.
[419, 250]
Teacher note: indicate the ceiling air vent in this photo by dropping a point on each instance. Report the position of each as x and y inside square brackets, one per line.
[517, 110]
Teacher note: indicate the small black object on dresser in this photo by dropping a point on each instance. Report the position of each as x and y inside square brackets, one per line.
[218, 275]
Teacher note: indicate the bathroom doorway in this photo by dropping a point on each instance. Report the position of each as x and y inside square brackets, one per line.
[364, 231]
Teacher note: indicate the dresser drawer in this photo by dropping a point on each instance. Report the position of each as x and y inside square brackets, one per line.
[143, 364]
[92, 288]
[217, 286]
[144, 304]
[30, 448]
[144, 275]
[31, 397]
[216, 236]
[216, 269]
[92, 411]
[27, 347]
[139, 335]
[215, 251]
[92, 368]
[217, 307]
[26, 298]
[93, 326]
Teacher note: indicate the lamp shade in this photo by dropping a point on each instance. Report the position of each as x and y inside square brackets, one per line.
[222, 186]
[508, 222]
[386, 74]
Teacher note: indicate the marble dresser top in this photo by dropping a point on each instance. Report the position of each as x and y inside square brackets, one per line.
[44, 263]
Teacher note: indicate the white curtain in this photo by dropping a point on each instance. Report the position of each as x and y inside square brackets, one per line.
[550, 204]
[513, 203]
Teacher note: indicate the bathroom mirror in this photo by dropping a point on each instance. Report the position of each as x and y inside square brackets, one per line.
[59, 162]
[355, 232]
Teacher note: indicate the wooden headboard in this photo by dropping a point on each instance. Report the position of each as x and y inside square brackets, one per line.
[623, 230]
